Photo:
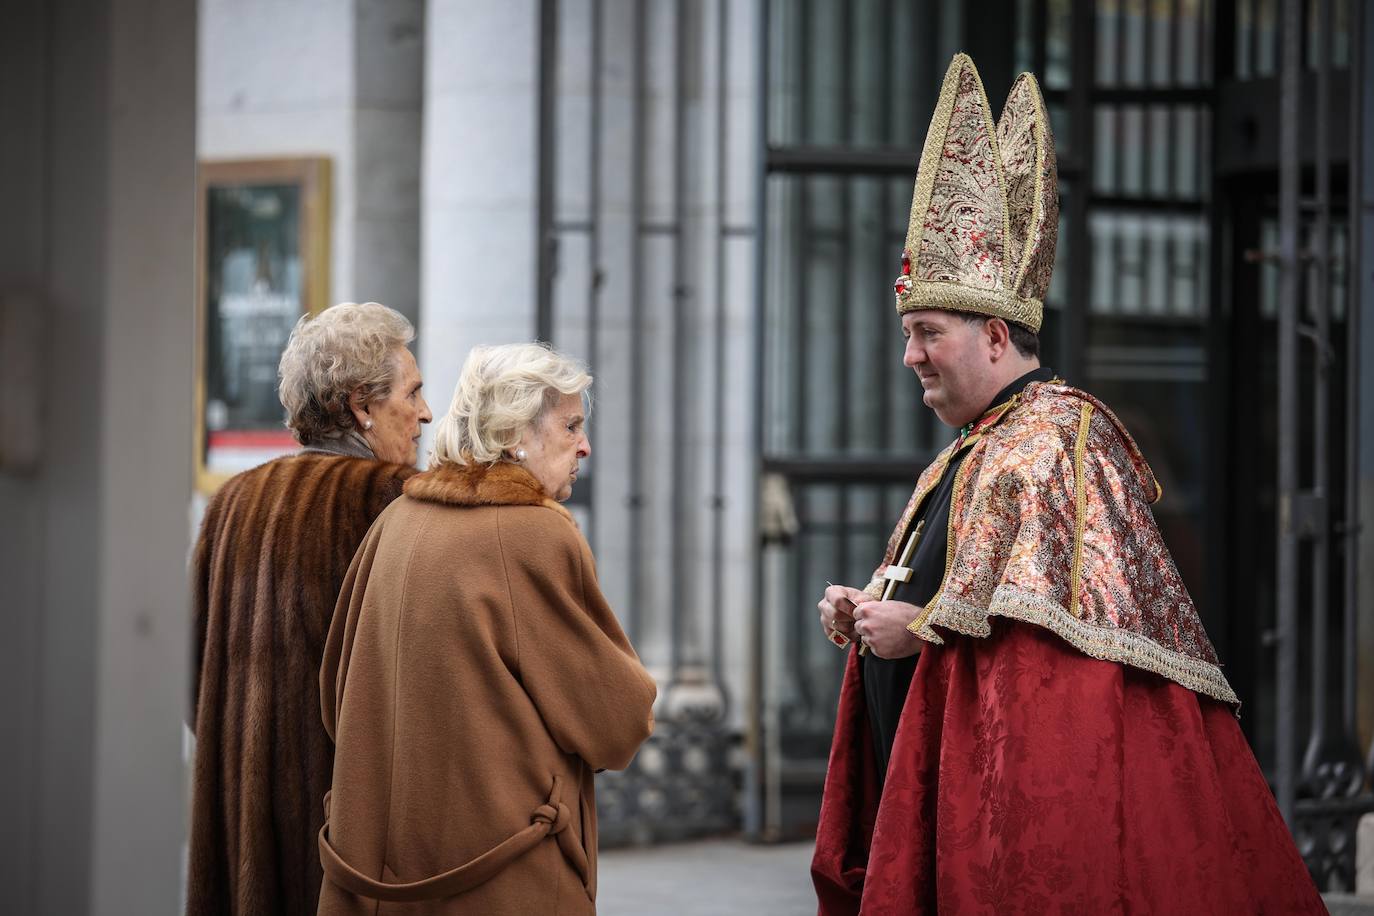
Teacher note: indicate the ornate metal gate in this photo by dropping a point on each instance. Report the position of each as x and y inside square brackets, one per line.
[645, 269]
[1319, 526]
[723, 193]
[1171, 167]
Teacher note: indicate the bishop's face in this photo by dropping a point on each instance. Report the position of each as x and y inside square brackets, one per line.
[953, 358]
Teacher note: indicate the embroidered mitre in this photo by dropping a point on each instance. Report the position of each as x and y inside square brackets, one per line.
[985, 214]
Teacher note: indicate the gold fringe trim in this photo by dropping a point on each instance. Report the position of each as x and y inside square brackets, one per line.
[1079, 502]
[1105, 643]
[952, 296]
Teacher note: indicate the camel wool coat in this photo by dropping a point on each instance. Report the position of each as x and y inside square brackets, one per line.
[474, 680]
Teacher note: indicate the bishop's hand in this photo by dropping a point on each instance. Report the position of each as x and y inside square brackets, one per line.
[882, 626]
[837, 613]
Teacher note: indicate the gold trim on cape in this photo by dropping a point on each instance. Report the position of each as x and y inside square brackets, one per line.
[1145, 620]
[1108, 644]
[1075, 581]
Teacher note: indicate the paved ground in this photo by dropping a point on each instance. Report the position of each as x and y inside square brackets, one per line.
[726, 877]
[706, 878]
[1349, 904]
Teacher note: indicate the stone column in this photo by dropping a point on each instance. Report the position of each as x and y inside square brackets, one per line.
[93, 664]
[388, 60]
[479, 191]
[143, 469]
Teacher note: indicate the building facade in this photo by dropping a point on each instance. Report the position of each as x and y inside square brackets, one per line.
[706, 200]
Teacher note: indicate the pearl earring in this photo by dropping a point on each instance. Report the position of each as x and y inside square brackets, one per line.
[520, 454]
[367, 424]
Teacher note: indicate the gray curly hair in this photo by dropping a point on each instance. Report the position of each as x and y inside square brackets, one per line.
[347, 347]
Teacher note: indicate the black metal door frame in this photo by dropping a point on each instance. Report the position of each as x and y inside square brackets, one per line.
[783, 768]
[1328, 775]
[1278, 165]
[1324, 794]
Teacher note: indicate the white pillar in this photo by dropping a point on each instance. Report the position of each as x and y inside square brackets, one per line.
[144, 440]
[478, 271]
[93, 539]
[388, 61]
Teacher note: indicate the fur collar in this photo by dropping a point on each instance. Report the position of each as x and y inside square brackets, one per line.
[500, 484]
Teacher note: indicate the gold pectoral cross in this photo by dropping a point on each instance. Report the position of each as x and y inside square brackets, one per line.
[899, 571]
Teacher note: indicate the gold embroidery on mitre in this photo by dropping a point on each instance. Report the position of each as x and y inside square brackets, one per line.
[1028, 158]
[985, 210]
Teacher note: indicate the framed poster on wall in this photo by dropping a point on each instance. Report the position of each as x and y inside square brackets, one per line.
[262, 261]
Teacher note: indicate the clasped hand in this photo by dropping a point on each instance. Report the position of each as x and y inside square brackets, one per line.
[880, 625]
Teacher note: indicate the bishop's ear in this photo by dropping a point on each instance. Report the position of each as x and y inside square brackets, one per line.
[998, 337]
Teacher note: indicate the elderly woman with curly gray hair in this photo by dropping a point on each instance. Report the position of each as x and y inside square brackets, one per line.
[273, 549]
[475, 678]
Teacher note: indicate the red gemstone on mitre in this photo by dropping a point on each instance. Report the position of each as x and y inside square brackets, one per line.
[906, 263]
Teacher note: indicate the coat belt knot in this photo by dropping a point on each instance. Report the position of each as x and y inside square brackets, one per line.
[548, 819]
[556, 816]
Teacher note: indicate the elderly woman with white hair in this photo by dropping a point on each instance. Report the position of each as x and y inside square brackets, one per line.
[273, 549]
[475, 678]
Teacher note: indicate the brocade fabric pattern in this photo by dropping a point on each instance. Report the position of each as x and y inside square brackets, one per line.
[1028, 779]
[985, 211]
[962, 240]
[1014, 521]
[1031, 170]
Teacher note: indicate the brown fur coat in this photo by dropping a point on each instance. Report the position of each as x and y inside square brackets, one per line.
[274, 546]
[474, 679]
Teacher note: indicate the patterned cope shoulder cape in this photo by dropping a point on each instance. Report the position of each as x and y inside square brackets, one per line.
[1050, 524]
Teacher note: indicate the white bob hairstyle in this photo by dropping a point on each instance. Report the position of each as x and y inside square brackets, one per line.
[501, 392]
